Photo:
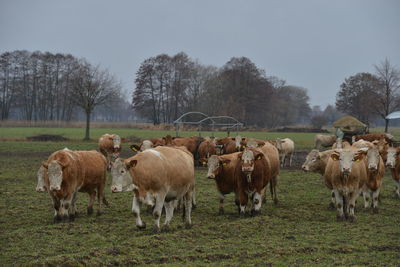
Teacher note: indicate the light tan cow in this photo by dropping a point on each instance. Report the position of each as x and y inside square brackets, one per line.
[41, 185]
[347, 173]
[316, 161]
[285, 147]
[71, 171]
[158, 177]
[146, 144]
[393, 162]
[375, 171]
[324, 141]
[110, 147]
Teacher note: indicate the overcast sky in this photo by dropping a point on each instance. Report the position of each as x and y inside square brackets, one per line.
[315, 44]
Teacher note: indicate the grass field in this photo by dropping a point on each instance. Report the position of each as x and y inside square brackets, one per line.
[301, 231]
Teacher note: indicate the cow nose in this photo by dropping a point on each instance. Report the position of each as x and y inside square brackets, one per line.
[304, 168]
[55, 188]
[346, 170]
[211, 176]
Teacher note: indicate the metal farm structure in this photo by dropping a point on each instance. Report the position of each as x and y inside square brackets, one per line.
[215, 122]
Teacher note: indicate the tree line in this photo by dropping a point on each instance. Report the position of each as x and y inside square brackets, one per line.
[168, 86]
[370, 97]
[42, 86]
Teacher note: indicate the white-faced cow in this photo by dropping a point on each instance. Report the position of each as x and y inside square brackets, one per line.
[110, 147]
[71, 171]
[346, 171]
[158, 177]
[285, 147]
[393, 162]
[375, 171]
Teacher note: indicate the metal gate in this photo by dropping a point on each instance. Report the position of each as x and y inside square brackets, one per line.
[213, 121]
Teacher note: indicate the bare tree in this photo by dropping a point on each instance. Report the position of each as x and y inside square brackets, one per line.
[388, 94]
[93, 87]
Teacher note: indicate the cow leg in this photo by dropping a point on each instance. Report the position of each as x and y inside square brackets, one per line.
[66, 204]
[194, 203]
[136, 213]
[291, 158]
[188, 208]
[56, 205]
[375, 200]
[352, 204]
[169, 212]
[243, 198]
[221, 204]
[100, 196]
[332, 204]
[398, 188]
[160, 198]
[273, 184]
[339, 206]
[257, 200]
[72, 211]
[92, 198]
[366, 195]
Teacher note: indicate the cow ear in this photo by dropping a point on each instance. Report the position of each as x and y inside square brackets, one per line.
[259, 156]
[261, 143]
[243, 138]
[45, 164]
[63, 163]
[131, 164]
[360, 154]
[225, 161]
[203, 161]
[135, 148]
[335, 156]
[110, 138]
[319, 155]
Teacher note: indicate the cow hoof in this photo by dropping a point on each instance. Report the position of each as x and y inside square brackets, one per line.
[221, 211]
[276, 202]
[156, 229]
[90, 210]
[375, 210]
[340, 218]
[255, 212]
[72, 217]
[188, 225]
[194, 206]
[331, 206]
[98, 213]
[352, 219]
[56, 219]
[143, 226]
[242, 215]
[165, 228]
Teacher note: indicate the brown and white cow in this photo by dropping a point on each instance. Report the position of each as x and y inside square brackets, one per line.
[71, 171]
[393, 162]
[324, 141]
[41, 185]
[375, 171]
[206, 150]
[285, 147]
[110, 147]
[252, 175]
[222, 170]
[373, 137]
[158, 177]
[347, 173]
[272, 154]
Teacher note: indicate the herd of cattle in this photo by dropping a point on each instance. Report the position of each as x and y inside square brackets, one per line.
[161, 173]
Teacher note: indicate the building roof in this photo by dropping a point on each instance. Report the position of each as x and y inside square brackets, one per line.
[393, 115]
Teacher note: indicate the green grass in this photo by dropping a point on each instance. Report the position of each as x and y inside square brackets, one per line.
[300, 231]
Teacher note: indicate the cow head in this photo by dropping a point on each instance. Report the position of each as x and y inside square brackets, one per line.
[374, 158]
[116, 142]
[215, 164]
[238, 140]
[279, 143]
[311, 161]
[392, 154]
[248, 158]
[168, 140]
[41, 187]
[146, 144]
[121, 176]
[346, 158]
[55, 172]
